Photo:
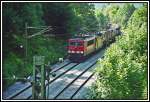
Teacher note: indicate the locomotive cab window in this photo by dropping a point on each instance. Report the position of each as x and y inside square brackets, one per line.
[90, 42]
[75, 44]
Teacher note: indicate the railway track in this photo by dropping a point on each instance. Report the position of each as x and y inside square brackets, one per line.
[81, 92]
[64, 84]
[58, 75]
[67, 76]
[71, 87]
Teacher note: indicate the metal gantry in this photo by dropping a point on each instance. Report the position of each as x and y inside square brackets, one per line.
[39, 69]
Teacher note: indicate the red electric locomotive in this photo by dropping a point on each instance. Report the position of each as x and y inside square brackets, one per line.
[80, 47]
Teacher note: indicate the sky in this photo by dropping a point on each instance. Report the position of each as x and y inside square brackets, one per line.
[100, 5]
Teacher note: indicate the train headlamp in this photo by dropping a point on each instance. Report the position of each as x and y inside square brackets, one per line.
[81, 52]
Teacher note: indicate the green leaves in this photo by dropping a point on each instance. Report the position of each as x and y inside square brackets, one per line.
[123, 71]
[102, 19]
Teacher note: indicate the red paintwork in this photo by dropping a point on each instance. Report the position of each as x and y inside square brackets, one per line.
[76, 48]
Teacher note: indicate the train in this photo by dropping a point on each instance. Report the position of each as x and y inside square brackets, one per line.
[83, 45]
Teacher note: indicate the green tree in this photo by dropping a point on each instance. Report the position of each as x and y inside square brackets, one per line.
[84, 16]
[111, 11]
[124, 13]
[15, 15]
[102, 19]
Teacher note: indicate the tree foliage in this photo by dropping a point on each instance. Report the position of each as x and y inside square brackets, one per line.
[124, 13]
[102, 19]
[119, 14]
[14, 17]
[122, 74]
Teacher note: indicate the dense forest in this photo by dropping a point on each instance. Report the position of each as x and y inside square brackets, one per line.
[122, 74]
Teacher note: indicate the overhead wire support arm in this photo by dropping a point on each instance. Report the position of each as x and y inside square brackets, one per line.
[39, 27]
[41, 32]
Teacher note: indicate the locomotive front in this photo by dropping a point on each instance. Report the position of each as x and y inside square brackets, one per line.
[76, 49]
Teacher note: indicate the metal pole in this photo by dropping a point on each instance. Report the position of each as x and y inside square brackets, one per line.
[34, 79]
[48, 79]
[26, 44]
[43, 87]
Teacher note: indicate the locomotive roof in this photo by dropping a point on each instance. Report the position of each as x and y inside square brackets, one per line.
[83, 38]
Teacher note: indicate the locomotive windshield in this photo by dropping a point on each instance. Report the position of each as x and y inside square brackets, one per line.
[75, 44]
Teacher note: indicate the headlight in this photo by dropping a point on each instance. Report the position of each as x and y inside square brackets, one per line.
[69, 51]
[81, 52]
[72, 51]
